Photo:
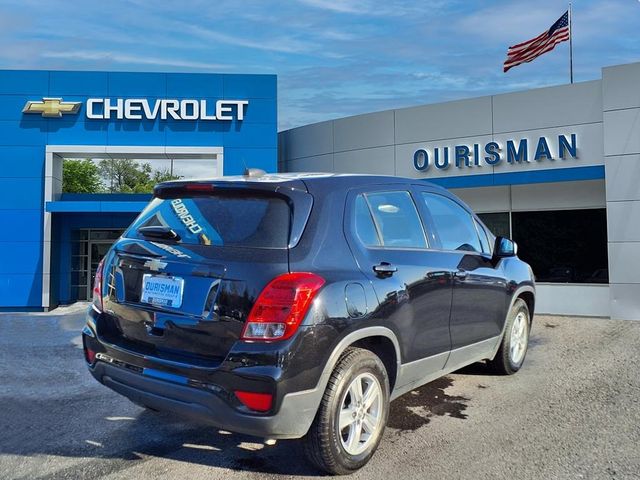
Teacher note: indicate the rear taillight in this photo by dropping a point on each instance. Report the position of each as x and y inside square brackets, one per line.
[97, 286]
[281, 306]
[89, 355]
[259, 402]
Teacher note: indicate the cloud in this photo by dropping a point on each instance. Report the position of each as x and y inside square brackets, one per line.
[340, 6]
[377, 8]
[277, 44]
[332, 57]
[104, 56]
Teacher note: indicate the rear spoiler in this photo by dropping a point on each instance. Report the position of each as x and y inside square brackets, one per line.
[300, 200]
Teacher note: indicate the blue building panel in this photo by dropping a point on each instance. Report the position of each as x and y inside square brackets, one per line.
[137, 132]
[21, 291]
[77, 132]
[125, 84]
[25, 257]
[22, 161]
[261, 110]
[236, 86]
[24, 138]
[202, 134]
[27, 82]
[91, 84]
[21, 194]
[11, 108]
[26, 225]
[257, 133]
[25, 132]
[188, 85]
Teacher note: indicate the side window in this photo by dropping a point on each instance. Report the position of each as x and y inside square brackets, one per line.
[396, 219]
[454, 224]
[365, 228]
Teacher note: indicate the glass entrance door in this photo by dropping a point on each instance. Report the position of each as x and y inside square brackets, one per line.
[87, 249]
[97, 250]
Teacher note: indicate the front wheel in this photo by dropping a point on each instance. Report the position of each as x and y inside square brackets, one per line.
[515, 341]
[352, 415]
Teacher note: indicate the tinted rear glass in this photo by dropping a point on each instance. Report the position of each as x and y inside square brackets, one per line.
[221, 220]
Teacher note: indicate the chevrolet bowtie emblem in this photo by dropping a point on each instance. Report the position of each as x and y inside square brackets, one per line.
[51, 107]
[154, 264]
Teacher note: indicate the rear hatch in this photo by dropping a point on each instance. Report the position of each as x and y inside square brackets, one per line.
[181, 282]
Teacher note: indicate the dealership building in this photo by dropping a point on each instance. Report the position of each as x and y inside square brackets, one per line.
[199, 125]
[557, 169]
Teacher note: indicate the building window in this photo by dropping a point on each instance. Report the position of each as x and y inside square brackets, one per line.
[563, 246]
[129, 175]
[497, 223]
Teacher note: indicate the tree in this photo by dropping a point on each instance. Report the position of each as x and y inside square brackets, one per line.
[80, 176]
[128, 176]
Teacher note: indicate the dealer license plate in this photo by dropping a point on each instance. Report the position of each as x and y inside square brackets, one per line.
[162, 290]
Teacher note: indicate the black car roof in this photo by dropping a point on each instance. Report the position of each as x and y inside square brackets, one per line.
[303, 180]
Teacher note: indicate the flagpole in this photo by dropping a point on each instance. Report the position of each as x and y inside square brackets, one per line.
[570, 43]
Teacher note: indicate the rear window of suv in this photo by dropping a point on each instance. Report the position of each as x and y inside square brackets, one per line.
[238, 220]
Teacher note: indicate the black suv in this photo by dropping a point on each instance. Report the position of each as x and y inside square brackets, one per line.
[290, 306]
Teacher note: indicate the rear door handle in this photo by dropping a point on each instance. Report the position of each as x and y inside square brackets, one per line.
[461, 274]
[384, 269]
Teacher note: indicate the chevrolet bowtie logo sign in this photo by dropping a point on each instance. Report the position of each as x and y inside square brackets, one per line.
[154, 264]
[52, 107]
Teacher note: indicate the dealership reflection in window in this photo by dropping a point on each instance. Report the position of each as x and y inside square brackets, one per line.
[222, 219]
[564, 246]
[498, 223]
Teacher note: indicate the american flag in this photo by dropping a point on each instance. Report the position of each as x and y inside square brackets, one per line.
[543, 43]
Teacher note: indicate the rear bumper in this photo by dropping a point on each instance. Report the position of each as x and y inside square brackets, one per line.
[292, 420]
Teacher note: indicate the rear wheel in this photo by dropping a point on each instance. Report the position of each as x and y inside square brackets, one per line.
[352, 415]
[515, 341]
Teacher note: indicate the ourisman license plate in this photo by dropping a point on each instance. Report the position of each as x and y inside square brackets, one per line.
[162, 290]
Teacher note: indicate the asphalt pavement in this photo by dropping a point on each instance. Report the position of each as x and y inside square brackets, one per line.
[572, 412]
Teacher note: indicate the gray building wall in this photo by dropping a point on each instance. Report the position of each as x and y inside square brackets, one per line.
[384, 142]
[621, 106]
[605, 116]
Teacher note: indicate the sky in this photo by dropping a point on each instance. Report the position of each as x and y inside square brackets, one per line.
[333, 58]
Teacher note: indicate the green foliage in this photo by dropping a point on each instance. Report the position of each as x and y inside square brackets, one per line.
[80, 176]
[128, 176]
[111, 176]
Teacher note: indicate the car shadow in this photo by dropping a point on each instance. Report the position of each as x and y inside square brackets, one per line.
[112, 434]
[125, 437]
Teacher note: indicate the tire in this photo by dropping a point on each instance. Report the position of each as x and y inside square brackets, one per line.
[509, 360]
[326, 445]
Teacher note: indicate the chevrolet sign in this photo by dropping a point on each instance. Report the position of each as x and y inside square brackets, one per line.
[142, 109]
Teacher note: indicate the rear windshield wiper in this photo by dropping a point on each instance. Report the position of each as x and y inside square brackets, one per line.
[159, 232]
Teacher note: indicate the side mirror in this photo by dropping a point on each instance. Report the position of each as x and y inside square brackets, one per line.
[505, 247]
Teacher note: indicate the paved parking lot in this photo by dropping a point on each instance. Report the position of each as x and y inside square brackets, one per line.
[573, 412]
